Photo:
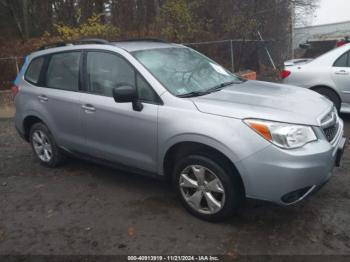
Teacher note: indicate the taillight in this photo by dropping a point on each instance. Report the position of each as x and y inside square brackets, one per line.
[15, 90]
[285, 74]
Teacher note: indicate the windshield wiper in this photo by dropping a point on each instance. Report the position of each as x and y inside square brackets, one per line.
[208, 91]
[221, 86]
[194, 94]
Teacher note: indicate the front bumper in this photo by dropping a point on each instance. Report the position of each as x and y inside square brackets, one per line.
[289, 176]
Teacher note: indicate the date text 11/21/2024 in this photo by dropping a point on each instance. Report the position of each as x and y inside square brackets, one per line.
[173, 258]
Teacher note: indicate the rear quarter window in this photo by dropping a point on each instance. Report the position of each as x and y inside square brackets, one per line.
[32, 74]
[342, 61]
[63, 71]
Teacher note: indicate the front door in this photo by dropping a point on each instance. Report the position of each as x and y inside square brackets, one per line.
[114, 131]
[341, 76]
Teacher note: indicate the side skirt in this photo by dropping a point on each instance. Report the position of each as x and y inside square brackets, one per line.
[111, 164]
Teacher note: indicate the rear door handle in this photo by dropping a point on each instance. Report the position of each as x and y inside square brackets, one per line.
[88, 108]
[342, 72]
[43, 98]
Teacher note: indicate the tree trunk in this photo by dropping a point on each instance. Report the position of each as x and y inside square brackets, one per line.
[25, 19]
[15, 16]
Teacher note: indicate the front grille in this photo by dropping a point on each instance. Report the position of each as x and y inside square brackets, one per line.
[330, 125]
[331, 131]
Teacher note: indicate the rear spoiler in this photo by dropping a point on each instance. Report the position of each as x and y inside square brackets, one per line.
[295, 62]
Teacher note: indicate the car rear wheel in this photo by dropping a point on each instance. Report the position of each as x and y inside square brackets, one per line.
[208, 188]
[331, 95]
[44, 146]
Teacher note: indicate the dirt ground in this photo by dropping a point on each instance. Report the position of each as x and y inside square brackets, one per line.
[82, 208]
[6, 111]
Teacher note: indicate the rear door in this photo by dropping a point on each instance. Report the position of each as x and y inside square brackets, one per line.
[61, 98]
[341, 76]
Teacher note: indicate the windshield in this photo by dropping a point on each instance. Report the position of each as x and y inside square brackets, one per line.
[184, 71]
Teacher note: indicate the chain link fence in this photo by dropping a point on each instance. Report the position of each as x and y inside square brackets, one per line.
[236, 55]
[241, 55]
[9, 68]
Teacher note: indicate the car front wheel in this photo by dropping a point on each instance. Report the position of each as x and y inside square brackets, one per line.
[209, 189]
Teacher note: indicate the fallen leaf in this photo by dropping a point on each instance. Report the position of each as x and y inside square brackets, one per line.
[131, 231]
[232, 255]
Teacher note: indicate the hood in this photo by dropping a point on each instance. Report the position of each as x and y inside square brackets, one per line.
[269, 101]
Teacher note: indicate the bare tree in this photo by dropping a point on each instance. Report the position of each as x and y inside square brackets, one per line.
[16, 16]
[303, 11]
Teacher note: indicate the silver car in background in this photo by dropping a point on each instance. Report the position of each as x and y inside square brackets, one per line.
[328, 75]
[165, 110]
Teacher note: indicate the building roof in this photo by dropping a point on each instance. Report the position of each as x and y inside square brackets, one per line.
[323, 25]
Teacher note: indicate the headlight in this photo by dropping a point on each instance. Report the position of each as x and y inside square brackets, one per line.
[283, 135]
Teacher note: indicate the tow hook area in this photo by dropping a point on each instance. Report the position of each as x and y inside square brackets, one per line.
[340, 152]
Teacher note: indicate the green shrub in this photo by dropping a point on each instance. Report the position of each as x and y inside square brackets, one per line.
[94, 27]
[176, 20]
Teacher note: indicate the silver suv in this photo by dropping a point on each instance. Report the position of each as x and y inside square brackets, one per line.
[166, 110]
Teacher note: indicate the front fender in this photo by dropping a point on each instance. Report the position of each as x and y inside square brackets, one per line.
[194, 138]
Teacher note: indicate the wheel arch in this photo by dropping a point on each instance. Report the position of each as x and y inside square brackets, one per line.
[28, 122]
[183, 148]
[313, 88]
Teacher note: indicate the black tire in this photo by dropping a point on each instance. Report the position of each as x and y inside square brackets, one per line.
[331, 95]
[230, 180]
[57, 157]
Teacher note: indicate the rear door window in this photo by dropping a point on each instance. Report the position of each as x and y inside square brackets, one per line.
[63, 71]
[32, 74]
[342, 61]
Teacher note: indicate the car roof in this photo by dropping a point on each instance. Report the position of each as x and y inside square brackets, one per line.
[127, 45]
[132, 46]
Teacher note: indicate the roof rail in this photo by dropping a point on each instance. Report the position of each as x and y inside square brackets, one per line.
[93, 41]
[76, 42]
[143, 40]
[52, 45]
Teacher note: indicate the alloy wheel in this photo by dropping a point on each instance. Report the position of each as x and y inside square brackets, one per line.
[42, 146]
[202, 189]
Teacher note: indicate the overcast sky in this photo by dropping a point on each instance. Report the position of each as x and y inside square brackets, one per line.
[332, 11]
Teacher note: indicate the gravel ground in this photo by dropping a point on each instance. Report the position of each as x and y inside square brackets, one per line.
[82, 209]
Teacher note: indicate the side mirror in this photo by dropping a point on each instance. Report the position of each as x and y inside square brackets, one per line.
[127, 94]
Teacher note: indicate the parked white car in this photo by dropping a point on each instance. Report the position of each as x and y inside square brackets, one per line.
[328, 75]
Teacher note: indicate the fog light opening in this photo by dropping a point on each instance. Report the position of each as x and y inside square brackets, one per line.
[295, 195]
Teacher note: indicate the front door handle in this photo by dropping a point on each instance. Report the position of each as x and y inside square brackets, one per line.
[88, 108]
[43, 98]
